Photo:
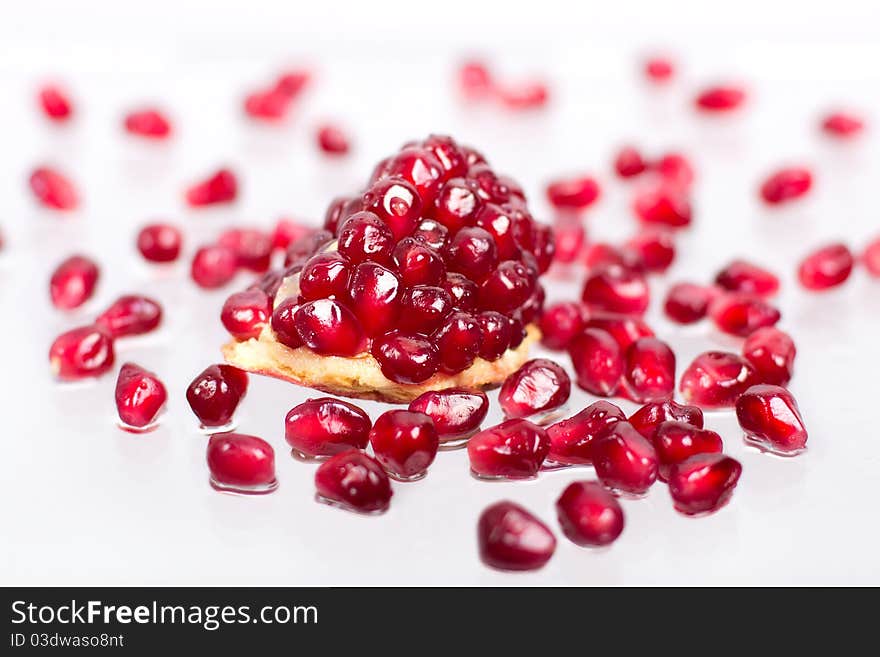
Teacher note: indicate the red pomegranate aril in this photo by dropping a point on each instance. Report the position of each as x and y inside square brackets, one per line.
[826, 267]
[213, 266]
[499, 223]
[405, 443]
[423, 308]
[458, 341]
[215, 394]
[716, 379]
[601, 254]
[742, 314]
[292, 83]
[330, 329]
[570, 238]
[160, 242]
[325, 426]
[561, 323]
[375, 295]
[253, 248]
[524, 96]
[220, 187]
[365, 237]
[721, 98]
[270, 283]
[332, 140]
[417, 263]
[623, 328]
[677, 441]
[140, 397]
[148, 122]
[55, 102]
[304, 248]
[514, 449]
[663, 205]
[743, 276]
[283, 323]
[452, 159]
[597, 361]
[267, 104]
[512, 539]
[649, 371]
[625, 461]
[463, 291]
[539, 386]
[353, 481]
[573, 193]
[325, 275]
[432, 234]
[652, 415]
[518, 332]
[73, 282]
[571, 439]
[421, 168]
[244, 314]
[396, 202]
[457, 413]
[543, 247]
[842, 125]
[616, 289]
[288, 231]
[871, 258]
[81, 353]
[508, 287]
[457, 204]
[533, 307]
[474, 80]
[53, 189]
[703, 483]
[473, 253]
[653, 249]
[771, 352]
[675, 170]
[772, 420]
[629, 162]
[339, 210]
[659, 69]
[496, 331]
[687, 303]
[406, 357]
[589, 515]
[131, 314]
[786, 185]
[240, 463]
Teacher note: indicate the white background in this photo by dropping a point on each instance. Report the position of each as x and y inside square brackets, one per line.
[84, 503]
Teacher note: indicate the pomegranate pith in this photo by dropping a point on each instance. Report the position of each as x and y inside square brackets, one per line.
[240, 463]
[589, 515]
[353, 481]
[511, 538]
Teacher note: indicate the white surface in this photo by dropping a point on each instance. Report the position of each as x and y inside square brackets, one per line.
[85, 503]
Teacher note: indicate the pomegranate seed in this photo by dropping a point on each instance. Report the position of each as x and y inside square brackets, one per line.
[451, 157]
[213, 266]
[418, 264]
[687, 303]
[332, 140]
[659, 69]
[475, 80]
[473, 253]
[570, 237]
[571, 439]
[511, 538]
[771, 352]
[517, 332]
[677, 441]
[80, 353]
[458, 341]
[649, 371]
[292, 83]
[253, 248]
[871, 258]
[675, 170]
[496, 334]
[329, 328]
[539, 386]
[56, 103]
[457, 413]
[73, 282]
[353, 481]
[364, 236]
[616, 289]
[405, 443]
[148, 122]
[602, 254]
[432, 234]
[742, 314]
[703, 483]
[499, 223]
[742, 276]
[220, 187]
[421, 168]
[629, 162]
[514, 449]
[159, 242]
[561, 323]
[654, 250]
[543, 247]
[624, 329]
[215, 394]
[240, 463]
[405, 357]
[326, 426]
[716, 379]
[267, 104]
[325, 275]
[827, 267]
[140, 397]
[130, 314]
[625, 461]
[843, 125]
[340, 209]
[423, 308]
[245, 314]
[270, 283]
[456, 205]
[283, 323]
[53, 189]
[589, 515]
[508, 287]
[463, 291]
[597, 361]
[663, 205]
[288, 231]
[652, 415]
[524, 96]
[786, 185]
[304, 248]
[573, 193]
[772, 420]
[396, 202]
[722, 98]
[375, 293]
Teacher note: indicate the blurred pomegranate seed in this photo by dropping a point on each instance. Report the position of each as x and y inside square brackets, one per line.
[140, 397]
[292, 83]
[842, 125]
[624, 329]
[560, 323]
[539, 386]
[658, 69]
[326, 426]
[214, 395]
[475, 80]
[598, 362]
[677, 441]
[241, 463]
[616, 289]
[405, 443]
[625, 462]
[743, 276]
[353, 481]
[53, 189]
[771, 352]
[652, 415]
[514, 449]
[267, 104]
[456, 412]
[629, 162]
[722, 98]
[570, 236]
[511, 538]
[524, 95]
[129, 315]
[213, 266]
[220, 187]
[716, 379]
[332, 140]
[589, 515]
[571, 439]
[574, 193]
[772, 420]
[244, 314]
[288, 231]
[73, 282]
[871, 258]
[80, 353]
[687, 303]
[148, 122]
[253, 248]
[663, 205]
[703, 483]
[826, 267]
[159, 242]
[56, 103]
[653, 249]
[786, 185]
[649, 371]
[742, 314]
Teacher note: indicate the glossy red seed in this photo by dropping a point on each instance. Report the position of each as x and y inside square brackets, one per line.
[475, 80]
[53, 189]
[363, 237]
[560, 323]
[332, 140]
[147, 122]
[659, 69]
[771, 352]
[675, 170]
[665, 205]
[571, 439]
[73, 282]
[602, 254]
[423, 308]
[508, 287]
[496, 334]
[598, 362]
[498, 221]
[652, 415]
[304, 248]
[159, 242]
[253, 248]
[771, 419]
[406, 357]
[629, 162]
[649, 371]
[625, 461]
[457, 204]
[473, 253]
[786, 185]
[743, 276]
[826, 267]
[843, 125]
[703, 483]
[742, 314]
[55, 103]
[514, 449]
[510, 538]
[140, 396]
[375, 297]
[215, 394]
[340, 209]
[463, 291]
[716, 379]
[220, 187]
[570, 237]
[326, 426]
[241, 463]
[871, 258]
[574, 193]
[420, 167]
[354, 481]
[589, 515]
[654, 250]
[616, 289]
[457, 413]
[325, 275]
[131, 314]
[677, 441]
[543, 246]
[405, 443]
[432, 234]
[687, 303]
[539, 386]
[396, 202]
[624, 329]
[721, 98]
[283, 323]
[81, 353]
[518, 332]
[417, 263]
[244, 314]
[213, 266]
[452, 158]
[524, 95]
[330, 329]
[458, 341]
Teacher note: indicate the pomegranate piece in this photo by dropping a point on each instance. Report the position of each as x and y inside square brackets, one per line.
[571, 439]
[458, 341]
[474, 80]
[570, 237]
[743, 276]
[147, 122]
[473, 253]
[616, 289]
[624, 329]
[665, 205]
[283, 323]
[598, 362]
[625, 462]
[654, 250]
[561, 323]
[253, 248]
[213, 266]
[498, 221]
[589, 515]
[514, 449]
[53, 189]
[325, 275]
[629, 162]
[703, 483]
[220, 187]
[326, 426]
[687, 303]
[675, 170]
[423, 308]
[496, 332]
[418, 264]
[721, 98]
[131, 314]
[333, 140]
[244, 314]
[396, 202]
[826, 267]
[307, 246]
[649, 371]
[652, 415]
[160, 242]
[73, 282]
[524, 95]
[658, 69]
[511, 538]
[329, 328]
[742, 314]
[140, 397]
[406, 357]
[464, 291]
[365, 237]
[716, 379]
[871, 258]
[457, 204]
[375, 295]
[80, 353]
[353, 481]
[772, 420]
[240, 463]
[508, 287]
[457, 413]
[576, 193]
[677, 441]
[215, 394]
[539, 386]
[786, 185]
[55, 103]
[421, 168]
[842, 125]
[405, 443]
[452, 158]
[771, 352]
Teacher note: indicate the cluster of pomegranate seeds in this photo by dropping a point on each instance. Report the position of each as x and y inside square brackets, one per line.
[214, 396]
[572, 194]
[81, 353]
[319, 428]
[477, 83]
[73, 282]
[140, 397]
[721, 98]
[159, 242]
[55, 103]
[589, 515]
[354, 481]
[514, 449]
[826, 267]
[457, 413]
[539, 386]
[786, 185]
[771, 419]
[333, 140]
[273, 102]
[405, 443]
[241, 463]
[131, 314]
[511, 538]
[703, 483]
[148, 122]
[220, 187]
[53, 189]
[842, 125]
